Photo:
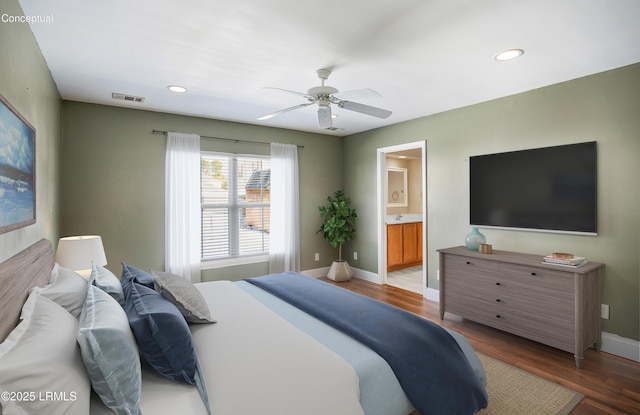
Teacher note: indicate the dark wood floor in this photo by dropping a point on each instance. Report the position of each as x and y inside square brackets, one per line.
[611, 384]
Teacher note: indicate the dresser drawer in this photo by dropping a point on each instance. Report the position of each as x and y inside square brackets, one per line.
[554, 314]
[478, 310]
[469, 267]
[538, 327]
[535, 291]
[539, 276]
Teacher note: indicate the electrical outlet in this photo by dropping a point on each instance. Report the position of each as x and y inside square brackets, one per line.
[317, 256]
[604, 311]
[355, 256]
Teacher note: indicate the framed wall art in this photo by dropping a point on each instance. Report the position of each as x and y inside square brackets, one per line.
[17, 169]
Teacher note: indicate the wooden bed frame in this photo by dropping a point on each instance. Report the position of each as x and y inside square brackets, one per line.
[29, 268]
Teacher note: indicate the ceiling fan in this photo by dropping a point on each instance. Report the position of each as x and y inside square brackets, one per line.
[324, 96]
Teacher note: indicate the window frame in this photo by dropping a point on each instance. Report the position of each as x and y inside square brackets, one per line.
[234, 207]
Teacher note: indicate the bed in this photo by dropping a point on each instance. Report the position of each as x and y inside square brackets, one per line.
[255, 353]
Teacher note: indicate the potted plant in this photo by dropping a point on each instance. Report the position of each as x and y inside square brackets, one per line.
[338, 228]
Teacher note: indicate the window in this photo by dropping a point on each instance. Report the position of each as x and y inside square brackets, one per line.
[235, 205]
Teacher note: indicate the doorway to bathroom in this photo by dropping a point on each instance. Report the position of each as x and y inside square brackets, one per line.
[402, 221]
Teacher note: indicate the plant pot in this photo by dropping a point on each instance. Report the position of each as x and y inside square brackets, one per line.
[340, 271]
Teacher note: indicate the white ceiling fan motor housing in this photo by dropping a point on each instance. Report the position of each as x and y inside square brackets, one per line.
[322, 91]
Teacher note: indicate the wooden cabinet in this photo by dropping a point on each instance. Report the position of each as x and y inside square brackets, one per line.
[517, 293]
[404, 245]
[395, 246]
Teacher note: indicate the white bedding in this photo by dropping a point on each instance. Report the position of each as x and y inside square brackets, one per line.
[254, 363]
[380, 390]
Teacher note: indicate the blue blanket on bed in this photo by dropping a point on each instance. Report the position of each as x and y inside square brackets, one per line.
[432, 369]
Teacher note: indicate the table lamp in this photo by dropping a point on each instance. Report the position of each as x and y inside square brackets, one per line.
[77, 252]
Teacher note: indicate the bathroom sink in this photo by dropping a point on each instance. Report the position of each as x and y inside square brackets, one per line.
[403, 218]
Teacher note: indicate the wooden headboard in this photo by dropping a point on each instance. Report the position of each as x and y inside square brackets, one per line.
[18, 274]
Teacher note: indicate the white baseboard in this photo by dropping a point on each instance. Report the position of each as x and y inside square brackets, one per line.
[316, 272]
[366, 275]
[432, 294]
[621, 346]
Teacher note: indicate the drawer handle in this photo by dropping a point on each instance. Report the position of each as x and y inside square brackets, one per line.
[498, 300]
[497, 283]
[468, 263]
[533, 273]
[498, 316]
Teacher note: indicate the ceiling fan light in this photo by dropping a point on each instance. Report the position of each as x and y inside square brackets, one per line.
[509, 54]
[324, 116]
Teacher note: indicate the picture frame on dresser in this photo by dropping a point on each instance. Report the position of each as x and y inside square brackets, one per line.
[17, 169]
[519, 294]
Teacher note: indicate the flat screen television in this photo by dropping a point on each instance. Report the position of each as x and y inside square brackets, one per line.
[543, 189]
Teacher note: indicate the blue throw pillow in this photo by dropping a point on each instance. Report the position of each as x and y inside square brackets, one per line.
[109, 352]
[161, 332]
[138, 275]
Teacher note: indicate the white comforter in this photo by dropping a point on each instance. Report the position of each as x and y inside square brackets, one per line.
[254, 363]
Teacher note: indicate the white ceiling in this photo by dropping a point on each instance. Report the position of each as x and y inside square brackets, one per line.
[422, 56]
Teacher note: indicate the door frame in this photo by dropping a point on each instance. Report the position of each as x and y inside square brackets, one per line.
[382, 208]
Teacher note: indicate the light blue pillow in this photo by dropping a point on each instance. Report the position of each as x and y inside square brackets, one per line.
[107, 282]
[110, 353]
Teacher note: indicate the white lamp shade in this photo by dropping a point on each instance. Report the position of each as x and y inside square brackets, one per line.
[77, 252]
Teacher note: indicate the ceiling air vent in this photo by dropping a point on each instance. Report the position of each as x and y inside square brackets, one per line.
[127, 97]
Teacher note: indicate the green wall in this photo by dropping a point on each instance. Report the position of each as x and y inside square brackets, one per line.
[26, 83]
[113, 176]
[603, 108]
[113, 180]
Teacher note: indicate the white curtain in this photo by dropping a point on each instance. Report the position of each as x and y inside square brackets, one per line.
[182, 206]
[284, 243]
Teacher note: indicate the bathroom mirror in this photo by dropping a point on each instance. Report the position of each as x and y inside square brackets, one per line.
[397, 187]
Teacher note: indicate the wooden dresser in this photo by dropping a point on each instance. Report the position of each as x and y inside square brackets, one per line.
[514, 292]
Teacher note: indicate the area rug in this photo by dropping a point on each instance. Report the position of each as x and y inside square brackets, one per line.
[513, 391]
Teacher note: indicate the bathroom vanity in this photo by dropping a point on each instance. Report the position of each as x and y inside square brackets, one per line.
[404, 243]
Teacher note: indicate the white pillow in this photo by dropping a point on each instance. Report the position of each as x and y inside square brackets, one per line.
[67, 288]
[110, 353]
[41, 358]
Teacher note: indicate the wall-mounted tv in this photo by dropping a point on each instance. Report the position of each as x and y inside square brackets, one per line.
[543, 189]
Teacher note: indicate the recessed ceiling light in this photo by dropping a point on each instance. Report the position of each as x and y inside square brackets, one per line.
[509, 54]
[177, 88]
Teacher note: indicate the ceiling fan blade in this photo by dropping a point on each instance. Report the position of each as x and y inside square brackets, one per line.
[357, 94]
[302, 94]
[364, 109]
[324, 116]
[274, 114]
